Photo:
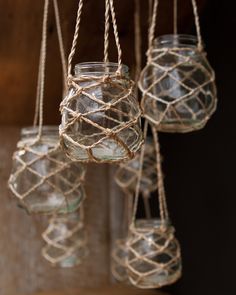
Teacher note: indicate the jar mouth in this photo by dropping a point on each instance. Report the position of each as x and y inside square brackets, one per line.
[178, 40]
[46, 130]
[151, 223]
[99, 68]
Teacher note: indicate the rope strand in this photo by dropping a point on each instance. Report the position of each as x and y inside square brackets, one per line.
[106, 33]
[42, 67]
[136, 197]
[152, 28]
[75, 38]
[197, 24]
[175, 29]
[61, 45]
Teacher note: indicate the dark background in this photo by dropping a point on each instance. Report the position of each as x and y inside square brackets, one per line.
[199, 167]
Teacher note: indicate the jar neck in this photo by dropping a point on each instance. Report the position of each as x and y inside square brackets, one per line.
[99, 69]
[176, 41]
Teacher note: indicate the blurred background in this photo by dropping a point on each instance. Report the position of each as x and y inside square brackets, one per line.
[199, 167]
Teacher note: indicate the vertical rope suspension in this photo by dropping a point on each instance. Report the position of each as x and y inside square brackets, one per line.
[106, 33]
[175, 17]
[197, 24]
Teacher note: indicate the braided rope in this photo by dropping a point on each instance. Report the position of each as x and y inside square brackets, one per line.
[106, 32]
[175, 17]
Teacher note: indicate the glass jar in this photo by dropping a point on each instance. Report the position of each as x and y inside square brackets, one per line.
[118, 261]
[100, 115]
[178, 85]
[66, 241]
[43, 178]
[154, 258]
[127, 174]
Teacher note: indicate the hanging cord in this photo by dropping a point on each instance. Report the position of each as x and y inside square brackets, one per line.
[137, 41]
[160, 182]
[36, 110]
[197, 24]
[61, 44]
[41, 79]
[75, 38]
[106, 43]
[136, 197]
[175, 17]
[152, 28]
[106, 33]
[150, 7]
[115, 29]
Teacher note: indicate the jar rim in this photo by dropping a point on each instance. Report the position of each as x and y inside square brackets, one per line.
[187, 40]
[33, 130]
[100, 65]
[151, 223]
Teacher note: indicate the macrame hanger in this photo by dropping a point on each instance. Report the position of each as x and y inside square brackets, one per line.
[197, 24]
[164, 215]
[175, 17]
[137, 190]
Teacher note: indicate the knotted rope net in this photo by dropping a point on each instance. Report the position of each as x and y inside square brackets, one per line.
[66, 240]
[154, 258]
[178, 83]
[43, 179]
[100, 115]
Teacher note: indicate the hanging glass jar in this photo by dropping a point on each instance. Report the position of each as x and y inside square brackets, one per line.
[178, 85]
[154, 258]
[43, 178]
[66, 240]
[100, 115]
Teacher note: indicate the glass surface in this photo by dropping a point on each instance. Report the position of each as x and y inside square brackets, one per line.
[45, 183]
[153, 255]
[179, 85]
[90, 103]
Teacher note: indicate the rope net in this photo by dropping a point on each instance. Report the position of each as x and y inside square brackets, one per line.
[66, 240]
[43, 179]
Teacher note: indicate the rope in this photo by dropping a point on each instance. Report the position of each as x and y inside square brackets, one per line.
[197, 24]
[152, 28]
[61, 45]
[136, 197]
[160, 182]
[115, 29]
[75, 38]
[175, 17]
[106, 33]
[137, 40]
[42, 67]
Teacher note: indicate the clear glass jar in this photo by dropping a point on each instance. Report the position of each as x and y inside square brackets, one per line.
[66, 240]
[127, 174]
[154, 258]
[43, 178]
[178, 85]
[89, 115]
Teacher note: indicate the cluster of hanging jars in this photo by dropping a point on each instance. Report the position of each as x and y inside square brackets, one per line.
[101, 122]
